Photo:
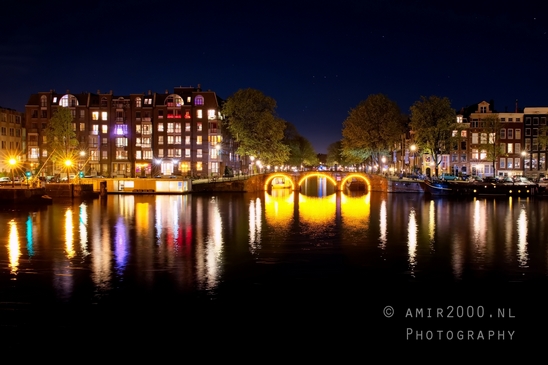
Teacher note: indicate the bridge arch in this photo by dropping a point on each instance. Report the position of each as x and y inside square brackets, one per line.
[287, 177]
[317, 174]
[351, 176]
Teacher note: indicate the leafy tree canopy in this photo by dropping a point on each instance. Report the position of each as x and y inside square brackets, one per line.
[335, 156]
[252, 121]
[432, 122]
[371, 129]
[301, 151]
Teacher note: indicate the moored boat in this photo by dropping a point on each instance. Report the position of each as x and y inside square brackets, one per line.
[438, 187]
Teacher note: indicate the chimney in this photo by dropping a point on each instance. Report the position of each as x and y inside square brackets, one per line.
[68, 91]
[516, 105]
[149, 92]
[199, 87]
[98, 91]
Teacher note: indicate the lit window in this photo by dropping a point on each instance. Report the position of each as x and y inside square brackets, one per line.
[199, 113]
[104, 116]
[160, 127]
[211, 114]
[121, 142]
[95, 129]
[104, 128]
[199, 126]
[198, 139]
[95, 115]
[160, 139]
[199, 100]
[120, 129]
[187, 127]
[187, 139]
[138, 102]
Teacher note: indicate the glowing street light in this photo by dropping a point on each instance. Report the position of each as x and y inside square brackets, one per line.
[68, 164]
[413, 150]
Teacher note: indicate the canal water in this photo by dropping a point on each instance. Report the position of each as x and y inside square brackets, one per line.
[310, 266]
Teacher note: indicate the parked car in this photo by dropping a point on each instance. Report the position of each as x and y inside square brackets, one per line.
[446, 176]
[5, 180]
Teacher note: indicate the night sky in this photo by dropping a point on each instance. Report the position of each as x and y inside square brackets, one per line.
[317, 59]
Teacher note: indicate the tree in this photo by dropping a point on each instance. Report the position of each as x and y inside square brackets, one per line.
[335, 156]
[301, 151]
[60, 136]
[252, 121]
[372, 129]
[432, 122]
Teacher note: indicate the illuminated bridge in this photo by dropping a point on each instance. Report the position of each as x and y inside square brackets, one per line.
[339, 180]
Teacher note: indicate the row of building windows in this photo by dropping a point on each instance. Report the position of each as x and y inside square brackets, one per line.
[14, 132]
[171, 101]
[139, 155]
[122, 116]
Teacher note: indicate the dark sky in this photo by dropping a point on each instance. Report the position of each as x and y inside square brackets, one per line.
[317, 59]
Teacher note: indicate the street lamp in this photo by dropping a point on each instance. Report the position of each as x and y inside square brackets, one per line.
[413, 149]
[252, 158]
[12, 162]
[68, 164]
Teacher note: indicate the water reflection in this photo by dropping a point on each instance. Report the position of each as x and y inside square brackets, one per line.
[383, 225]
[13, 247]
[255, 225]
[69, 234]
[480, 229]
[522, 238]
[355, 212]
[83, 227]
[412, 237]
[209, 247]
[193, 243]
[30, 234]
